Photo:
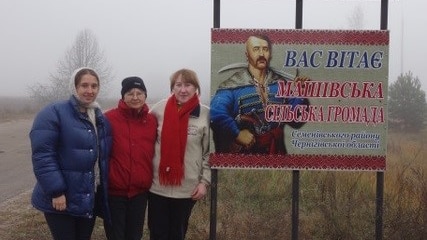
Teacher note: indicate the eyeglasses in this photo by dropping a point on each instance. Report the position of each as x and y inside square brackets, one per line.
[135, 94]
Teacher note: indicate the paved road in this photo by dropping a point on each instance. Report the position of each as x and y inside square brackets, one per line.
[16, 174]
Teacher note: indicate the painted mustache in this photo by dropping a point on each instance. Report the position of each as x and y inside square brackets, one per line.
[261, 59]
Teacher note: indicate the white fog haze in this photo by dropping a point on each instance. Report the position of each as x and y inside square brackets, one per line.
[152, 39]
[326, 159]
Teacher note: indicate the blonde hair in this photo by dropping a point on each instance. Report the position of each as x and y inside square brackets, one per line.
[188, 76]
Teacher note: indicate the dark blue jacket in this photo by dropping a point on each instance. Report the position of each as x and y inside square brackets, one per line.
[65, 148]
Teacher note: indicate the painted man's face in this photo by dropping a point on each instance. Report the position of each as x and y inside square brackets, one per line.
[258, 52]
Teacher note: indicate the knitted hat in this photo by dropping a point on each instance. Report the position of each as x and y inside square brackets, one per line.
[132, 82]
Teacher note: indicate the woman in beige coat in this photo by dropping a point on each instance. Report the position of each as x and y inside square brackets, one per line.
[181, 167]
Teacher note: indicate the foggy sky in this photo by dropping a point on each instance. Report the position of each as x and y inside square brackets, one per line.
[152, 39]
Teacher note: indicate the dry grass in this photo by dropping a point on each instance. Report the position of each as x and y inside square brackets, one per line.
[333, 205]
[257, 205]
[20, 221]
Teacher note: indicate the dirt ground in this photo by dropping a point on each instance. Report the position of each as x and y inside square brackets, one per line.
[16, 174]
[16, 177]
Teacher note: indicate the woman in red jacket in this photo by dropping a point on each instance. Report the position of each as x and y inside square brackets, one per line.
[131, 168]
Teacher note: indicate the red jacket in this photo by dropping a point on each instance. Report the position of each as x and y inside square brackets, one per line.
[131, 160]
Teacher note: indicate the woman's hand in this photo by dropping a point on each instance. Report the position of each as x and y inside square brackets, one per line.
[199, 192]
[59, 203]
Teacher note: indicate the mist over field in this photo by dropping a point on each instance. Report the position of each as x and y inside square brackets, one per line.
[152, 39]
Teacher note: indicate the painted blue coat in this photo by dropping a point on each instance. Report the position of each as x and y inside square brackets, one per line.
[65, 148]
[237, 98]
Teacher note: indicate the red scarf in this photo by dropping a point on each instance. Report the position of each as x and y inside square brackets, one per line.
[174, 140]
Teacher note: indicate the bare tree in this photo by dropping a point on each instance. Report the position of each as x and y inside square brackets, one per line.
[356, 20]
[85, 52]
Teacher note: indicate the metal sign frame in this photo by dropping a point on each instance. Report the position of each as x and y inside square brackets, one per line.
[296, 173]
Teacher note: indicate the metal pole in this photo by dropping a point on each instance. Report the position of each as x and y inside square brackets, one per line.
[295, 173]
[384, 14]
[295, 204]
[217, 13]
[380, 175]
[214, 172]
[298, 14]
[379, 208]
[214, 191]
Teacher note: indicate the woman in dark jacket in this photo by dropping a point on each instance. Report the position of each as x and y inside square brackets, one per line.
[70, 143]
[131, 167]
